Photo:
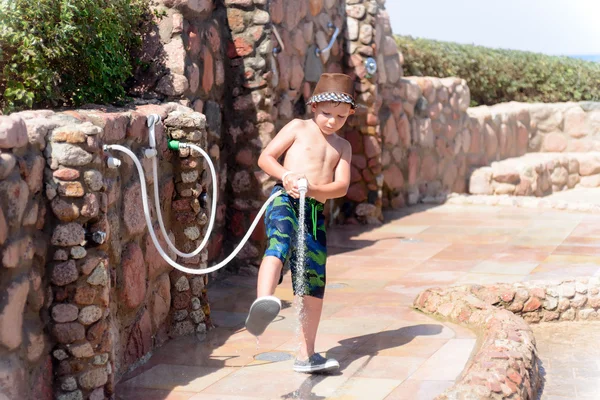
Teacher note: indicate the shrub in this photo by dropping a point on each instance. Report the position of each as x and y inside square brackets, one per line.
[67, 52]
[496, 76]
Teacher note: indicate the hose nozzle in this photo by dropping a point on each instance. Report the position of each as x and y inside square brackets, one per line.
[302, 185]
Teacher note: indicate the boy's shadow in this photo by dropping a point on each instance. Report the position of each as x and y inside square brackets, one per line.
[353, 349]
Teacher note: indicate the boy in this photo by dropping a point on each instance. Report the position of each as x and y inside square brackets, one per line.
[313, 151]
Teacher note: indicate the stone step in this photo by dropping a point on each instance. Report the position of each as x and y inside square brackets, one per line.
[537, 174]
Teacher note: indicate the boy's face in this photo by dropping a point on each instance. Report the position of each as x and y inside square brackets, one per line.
[331, 116]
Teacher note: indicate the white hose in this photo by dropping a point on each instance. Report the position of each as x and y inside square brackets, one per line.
[151, 229]
[213, 210]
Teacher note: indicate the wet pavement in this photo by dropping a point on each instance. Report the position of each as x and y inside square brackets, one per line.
[386, 349]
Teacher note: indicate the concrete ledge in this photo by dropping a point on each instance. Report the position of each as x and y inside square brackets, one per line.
[505, 365]
[522, 202]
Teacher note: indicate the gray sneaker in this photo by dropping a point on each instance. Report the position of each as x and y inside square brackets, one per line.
[316, 364]
[262, 312]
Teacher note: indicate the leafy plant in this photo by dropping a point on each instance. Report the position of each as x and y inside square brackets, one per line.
[496, 75]
[67, 52]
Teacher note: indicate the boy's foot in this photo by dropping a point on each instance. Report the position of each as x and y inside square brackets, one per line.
[316, 364]
[262, 312]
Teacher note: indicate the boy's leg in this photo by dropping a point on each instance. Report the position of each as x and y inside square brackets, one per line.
[309, 324]
[279, 222]
[268, 276]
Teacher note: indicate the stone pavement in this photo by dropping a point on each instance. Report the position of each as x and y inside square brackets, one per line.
[386, 349]
[570, 360]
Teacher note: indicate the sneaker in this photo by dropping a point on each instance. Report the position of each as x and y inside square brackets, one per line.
[262, 312]
[316, 364]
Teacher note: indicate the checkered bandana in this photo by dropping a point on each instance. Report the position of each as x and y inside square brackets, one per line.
[330, 96]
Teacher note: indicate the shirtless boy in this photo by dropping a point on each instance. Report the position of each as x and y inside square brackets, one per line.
[313, 151]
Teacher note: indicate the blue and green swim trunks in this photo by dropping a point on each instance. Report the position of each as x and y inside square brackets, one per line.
[281, 221]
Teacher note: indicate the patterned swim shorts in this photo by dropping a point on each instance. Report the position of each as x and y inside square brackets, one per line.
[281, 221]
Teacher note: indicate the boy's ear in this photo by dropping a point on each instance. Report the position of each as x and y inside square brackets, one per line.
[352, 111]
[313, 107]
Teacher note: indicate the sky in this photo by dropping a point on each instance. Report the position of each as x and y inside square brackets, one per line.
[558, 27]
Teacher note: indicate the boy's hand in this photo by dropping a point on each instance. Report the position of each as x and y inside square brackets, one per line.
[290, 183]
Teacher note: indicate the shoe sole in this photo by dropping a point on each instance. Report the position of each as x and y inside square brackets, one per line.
[262, 312]
[329, 366]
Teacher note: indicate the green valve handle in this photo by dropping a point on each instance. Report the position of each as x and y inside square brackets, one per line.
[173, 144]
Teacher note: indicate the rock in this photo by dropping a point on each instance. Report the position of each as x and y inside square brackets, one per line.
[65, 235]
[591, 181]
[480, 181]
[133, 211]
[12, 304]
[559, 176]
[99, 277]
[64, 211]
[91, 206]
[7, 164]
[93, 179]
[68, 384]
[197, 285]
[93, 379]
[70, 189]
[504, 173]
[182, 329]
[65, 313]
[90, 314]
[134, 275]
[554, 143]
[589, 164]
[161, 300]
[35, 346]
[64, 273]
[13, 132]
[68, 155]
[85, 295]
[393, 178]
[172, 85]
[83, 350]
[17, 251]
[76, 395]
[576, 124]
[69, 332]
[14, 195]
[12, 377]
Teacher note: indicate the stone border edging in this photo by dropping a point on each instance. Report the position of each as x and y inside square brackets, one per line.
[506, 363]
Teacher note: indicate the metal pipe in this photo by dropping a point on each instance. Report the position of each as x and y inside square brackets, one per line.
[331, 42]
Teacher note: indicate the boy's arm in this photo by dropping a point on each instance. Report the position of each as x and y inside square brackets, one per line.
[268, 160]
[341, 179]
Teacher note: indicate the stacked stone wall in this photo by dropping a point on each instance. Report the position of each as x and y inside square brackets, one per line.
[77, 259]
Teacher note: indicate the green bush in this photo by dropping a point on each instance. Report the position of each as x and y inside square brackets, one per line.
[496, 76]
[67, 52]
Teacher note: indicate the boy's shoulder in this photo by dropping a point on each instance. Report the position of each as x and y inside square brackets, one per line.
[298, 123]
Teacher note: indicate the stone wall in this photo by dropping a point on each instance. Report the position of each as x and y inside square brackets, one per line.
[77, 256]
[432, 143]
[429, 139]
[25, 363]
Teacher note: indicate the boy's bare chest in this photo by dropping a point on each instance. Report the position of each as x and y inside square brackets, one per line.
[316, 151]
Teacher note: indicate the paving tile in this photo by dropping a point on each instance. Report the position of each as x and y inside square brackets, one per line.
[178, 378]
[495, 267]
[135, 393]
[419, 390]
[437, 366]
[358, 388]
